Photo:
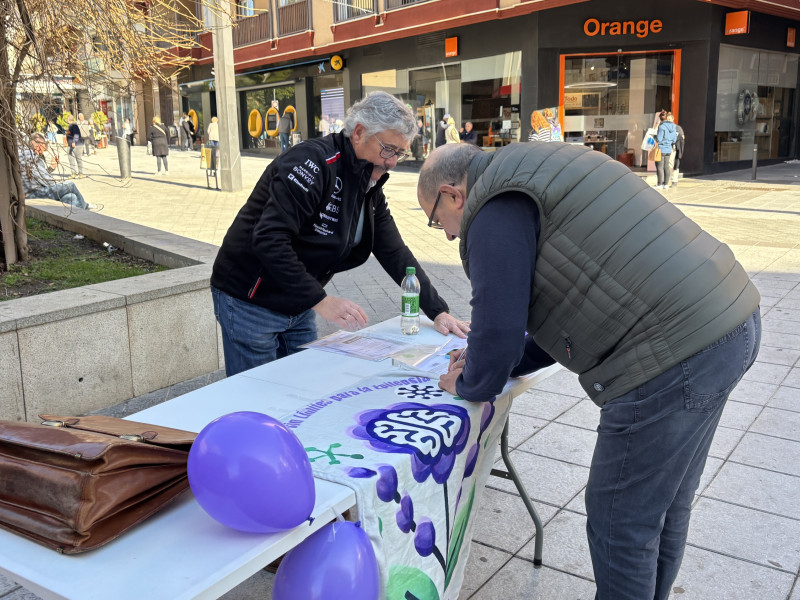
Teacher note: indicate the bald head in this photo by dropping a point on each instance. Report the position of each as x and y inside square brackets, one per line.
[447, 164]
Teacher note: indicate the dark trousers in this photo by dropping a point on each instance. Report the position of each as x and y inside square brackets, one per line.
[652, 445]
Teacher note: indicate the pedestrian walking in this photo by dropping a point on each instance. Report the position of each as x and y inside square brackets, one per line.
[158, 136]
[75, 148]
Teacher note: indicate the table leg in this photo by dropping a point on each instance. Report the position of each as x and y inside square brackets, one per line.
[513, 476]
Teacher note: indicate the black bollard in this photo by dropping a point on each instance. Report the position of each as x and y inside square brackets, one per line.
[124, 156]
[755, 161]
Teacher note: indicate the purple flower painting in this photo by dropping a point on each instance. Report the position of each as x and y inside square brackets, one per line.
[433, 435]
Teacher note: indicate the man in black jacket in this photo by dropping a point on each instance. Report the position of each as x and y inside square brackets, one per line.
[317, 210]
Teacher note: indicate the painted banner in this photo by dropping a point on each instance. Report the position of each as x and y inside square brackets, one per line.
[418, 459]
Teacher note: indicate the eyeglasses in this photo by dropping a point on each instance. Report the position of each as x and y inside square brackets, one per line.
[431, 223]
[387, 152]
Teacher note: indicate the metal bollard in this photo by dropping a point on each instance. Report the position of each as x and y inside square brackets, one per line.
[755, 161]
[124, 156]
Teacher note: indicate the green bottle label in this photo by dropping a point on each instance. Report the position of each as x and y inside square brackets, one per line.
[410, 305]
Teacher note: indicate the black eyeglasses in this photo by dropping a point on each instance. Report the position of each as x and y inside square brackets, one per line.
[431, 223]
[387, 152]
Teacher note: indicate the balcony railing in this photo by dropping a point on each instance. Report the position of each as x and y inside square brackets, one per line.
[294, 17]
[391, 4]
[344, 10]
[251, 30]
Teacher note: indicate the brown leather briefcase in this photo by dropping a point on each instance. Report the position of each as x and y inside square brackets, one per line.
[75, 483]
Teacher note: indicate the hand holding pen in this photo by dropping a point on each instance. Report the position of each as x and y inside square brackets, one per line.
[458, 362]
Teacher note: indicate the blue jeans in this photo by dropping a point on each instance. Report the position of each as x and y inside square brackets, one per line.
[284, 137]
[66, 192]
[651, 449]
[253, 335]
[75, 159]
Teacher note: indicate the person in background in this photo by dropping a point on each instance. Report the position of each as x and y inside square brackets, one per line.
[666, 136]
[37, 176]
[451, 133]
[75, 145]
[440, 139]
[127, 131]
[86, 134]
[158, 136]
[468, 134]
[187, 129]
[574, 259]
[52, 130]
[213, 133]
[284, 130]
[324, 125]
[677, 152]
[318, 209]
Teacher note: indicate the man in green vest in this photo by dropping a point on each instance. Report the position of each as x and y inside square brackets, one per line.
[574, 259]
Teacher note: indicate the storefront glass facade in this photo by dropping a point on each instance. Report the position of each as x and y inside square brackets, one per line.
[610, 101]
[755, 104]
[484, 91]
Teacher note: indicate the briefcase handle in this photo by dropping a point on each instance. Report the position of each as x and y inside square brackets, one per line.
[124, 429]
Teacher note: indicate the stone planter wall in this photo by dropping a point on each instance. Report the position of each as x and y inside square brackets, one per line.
[79, 350]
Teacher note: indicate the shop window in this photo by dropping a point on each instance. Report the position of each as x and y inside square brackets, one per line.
[755, 103]
[610, 101]
[483, 91]
[262, 101]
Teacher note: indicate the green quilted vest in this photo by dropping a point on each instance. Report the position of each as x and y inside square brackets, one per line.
[626, 285]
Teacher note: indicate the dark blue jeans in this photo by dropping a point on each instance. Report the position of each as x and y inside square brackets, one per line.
[253, 335]
[651, 449]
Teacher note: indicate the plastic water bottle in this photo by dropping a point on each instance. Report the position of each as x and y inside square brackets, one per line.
[409, 310]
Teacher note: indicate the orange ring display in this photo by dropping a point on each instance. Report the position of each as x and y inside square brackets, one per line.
[271, 111]
[193, 116]
[255, 124]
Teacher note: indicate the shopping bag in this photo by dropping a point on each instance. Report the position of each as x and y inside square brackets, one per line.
[655, 154]
[649, 141]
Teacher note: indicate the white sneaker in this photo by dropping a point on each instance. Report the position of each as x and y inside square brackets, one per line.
[96, 207]
[166, 173]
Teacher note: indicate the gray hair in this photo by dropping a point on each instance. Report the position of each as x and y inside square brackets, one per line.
[379, 112]
[446, 165]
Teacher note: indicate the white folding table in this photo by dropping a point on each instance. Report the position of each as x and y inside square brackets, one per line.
[181, 552]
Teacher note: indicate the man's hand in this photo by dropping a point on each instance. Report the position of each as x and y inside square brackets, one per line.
[446, 323]
[53, 163]
[344, 313]
[447, 382]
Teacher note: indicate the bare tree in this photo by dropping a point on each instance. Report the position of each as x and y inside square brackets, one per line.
[98, 44]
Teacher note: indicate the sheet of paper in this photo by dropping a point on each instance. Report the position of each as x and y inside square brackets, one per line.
[367, 347]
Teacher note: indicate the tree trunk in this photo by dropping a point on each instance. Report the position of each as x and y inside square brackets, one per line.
[12, 206]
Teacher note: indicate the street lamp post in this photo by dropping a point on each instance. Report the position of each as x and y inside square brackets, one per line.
[230, 167]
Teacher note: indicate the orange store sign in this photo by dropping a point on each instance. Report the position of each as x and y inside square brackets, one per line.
[640, 29]
[737, 22]
[451, 46]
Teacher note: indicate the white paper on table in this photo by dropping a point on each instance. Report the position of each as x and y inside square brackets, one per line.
[438, 362]
[367, 347]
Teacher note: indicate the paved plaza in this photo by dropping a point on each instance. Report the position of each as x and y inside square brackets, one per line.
[744, 541]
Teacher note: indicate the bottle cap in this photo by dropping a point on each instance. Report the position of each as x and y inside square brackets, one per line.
[411, 271]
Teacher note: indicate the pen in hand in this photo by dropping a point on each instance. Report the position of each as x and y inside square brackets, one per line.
[461, 359]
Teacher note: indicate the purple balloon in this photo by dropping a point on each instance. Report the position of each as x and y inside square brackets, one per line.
[250, 472]
[337, 561]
